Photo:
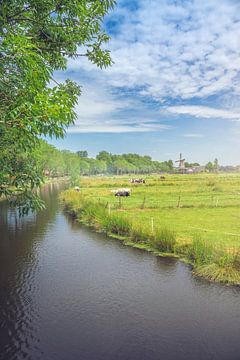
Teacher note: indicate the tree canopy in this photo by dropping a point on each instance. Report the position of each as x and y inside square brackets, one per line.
[36, 39]
[52, 162]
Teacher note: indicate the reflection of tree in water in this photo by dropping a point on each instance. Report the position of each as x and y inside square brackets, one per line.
[18, 263]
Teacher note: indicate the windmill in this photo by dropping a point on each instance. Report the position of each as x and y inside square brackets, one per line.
[181, 165]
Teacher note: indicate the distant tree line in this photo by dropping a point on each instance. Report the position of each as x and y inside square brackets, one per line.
[54, 163]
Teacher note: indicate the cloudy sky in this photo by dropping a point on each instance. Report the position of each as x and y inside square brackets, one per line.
[174, 86]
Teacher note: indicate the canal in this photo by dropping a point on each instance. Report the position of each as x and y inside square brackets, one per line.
[67, 293]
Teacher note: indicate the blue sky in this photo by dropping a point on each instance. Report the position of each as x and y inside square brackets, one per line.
[174, 86]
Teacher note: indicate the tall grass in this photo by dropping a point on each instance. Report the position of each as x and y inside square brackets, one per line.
[164, 240]
[140, 234]
[93, 214]
[200, 251]
[117, 224]
[215, 263]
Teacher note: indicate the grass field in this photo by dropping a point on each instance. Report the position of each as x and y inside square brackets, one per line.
[201, 210]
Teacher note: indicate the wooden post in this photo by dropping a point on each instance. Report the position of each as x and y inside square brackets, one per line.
[216, 202]
[119, 202]
[152, 225]
[179, 199]
[143, 203]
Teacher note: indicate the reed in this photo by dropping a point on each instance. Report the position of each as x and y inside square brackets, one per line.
[200, 252]
[117, 224]
[164, 240]
[140, 234]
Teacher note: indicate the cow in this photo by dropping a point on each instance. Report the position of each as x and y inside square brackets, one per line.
[77, 188]
[162, 178]
[122, 192]
[137, 181]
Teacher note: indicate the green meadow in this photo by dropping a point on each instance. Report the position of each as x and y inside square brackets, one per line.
[193, 216]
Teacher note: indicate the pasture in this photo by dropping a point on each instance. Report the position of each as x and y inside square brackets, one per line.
[198, 214]
[205, 204]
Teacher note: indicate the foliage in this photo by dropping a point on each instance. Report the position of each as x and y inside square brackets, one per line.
[209, 166]
[82, 153]
[36, 38]
[133, 164]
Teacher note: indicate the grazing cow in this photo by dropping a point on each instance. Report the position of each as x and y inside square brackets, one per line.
[122, 192]
[77, 188]
[137, 181]
[162, 178]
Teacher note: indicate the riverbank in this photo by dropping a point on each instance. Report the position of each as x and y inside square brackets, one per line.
[215, 261]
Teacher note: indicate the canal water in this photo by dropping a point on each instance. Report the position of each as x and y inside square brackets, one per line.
[69, 294]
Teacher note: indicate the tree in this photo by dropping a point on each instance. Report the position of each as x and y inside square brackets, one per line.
[209, 166]
[120, 165]
[216, 165]
[105, 156]
[191, 165]
[36, 38]
[84, 167]
[82, 153]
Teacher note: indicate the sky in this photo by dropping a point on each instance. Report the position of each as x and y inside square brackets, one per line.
[174, 85]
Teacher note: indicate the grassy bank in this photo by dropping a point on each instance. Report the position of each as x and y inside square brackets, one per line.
[194, 217]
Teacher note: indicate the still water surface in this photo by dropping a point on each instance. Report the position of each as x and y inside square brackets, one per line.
[68, 294]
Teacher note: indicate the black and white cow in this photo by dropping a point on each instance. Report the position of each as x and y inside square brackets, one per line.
[137, 181]
[122, 192]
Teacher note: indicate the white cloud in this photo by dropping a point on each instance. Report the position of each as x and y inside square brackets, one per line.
[193, 135]
[182, 50]
[169, 51]
[106, 127]
[97, 102]
[204, 112]
[101, 111]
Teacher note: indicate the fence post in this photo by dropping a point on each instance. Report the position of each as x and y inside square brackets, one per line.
[216, 202]
[120, 202]
[179, 199]
[152, 225]
[143, 203]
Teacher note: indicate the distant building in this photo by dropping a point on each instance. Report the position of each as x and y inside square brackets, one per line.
[230, 168]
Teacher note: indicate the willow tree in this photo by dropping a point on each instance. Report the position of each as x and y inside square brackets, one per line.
[36, 38]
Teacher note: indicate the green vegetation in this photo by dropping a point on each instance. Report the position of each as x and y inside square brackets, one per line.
[194, 217]
[36, 39]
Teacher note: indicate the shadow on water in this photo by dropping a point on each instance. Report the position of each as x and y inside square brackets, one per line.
[69, 293]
